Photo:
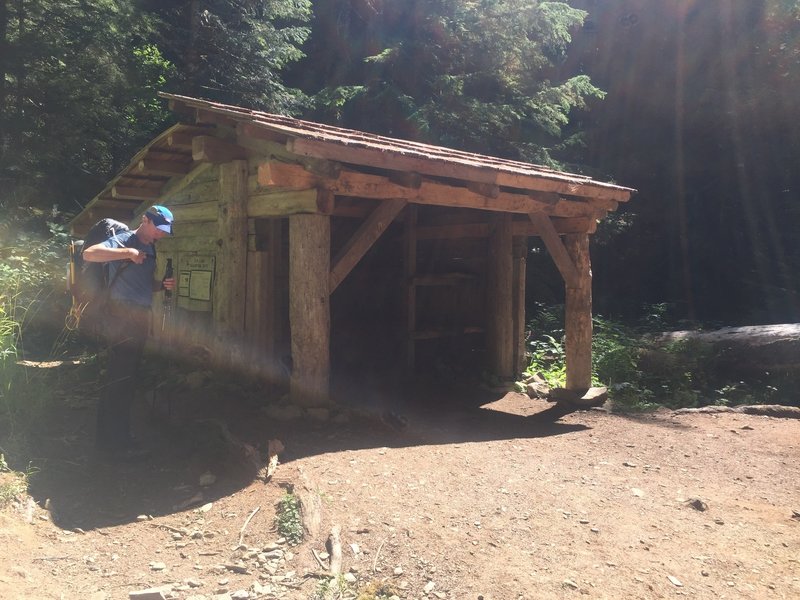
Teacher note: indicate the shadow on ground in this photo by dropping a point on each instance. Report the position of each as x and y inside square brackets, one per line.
[191, 434]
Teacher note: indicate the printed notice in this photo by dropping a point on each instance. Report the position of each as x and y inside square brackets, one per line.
[196, 276]
[183, 283]
[200, 285]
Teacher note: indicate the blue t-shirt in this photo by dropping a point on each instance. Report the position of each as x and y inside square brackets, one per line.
[134, 284]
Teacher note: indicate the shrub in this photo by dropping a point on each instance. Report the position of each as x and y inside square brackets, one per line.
[12, 484]
[639, 373]
[288, 521]
[29, 265]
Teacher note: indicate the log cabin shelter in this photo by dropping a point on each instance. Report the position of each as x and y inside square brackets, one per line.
[311, 250]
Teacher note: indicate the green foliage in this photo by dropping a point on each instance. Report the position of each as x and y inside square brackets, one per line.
[288, 520]
[377, 590]
[546, 357]
[471, 75]
[32, 252]
[32, 262]
[12, 483]
[629, 397]
[79, 96]
[333, 588]
[337, 588]
[615, 351]
[639, 373]
[234, 52]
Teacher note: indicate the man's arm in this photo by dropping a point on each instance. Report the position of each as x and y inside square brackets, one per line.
[102, 253]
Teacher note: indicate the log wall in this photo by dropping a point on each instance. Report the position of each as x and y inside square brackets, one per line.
[245, 319]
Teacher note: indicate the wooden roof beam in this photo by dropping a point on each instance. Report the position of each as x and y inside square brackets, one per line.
[398, 161]
[556, 248]
[134, 193]
[207, 117]
[181, 109]
[180, 139]
[489, 190]
[363, 239]
[406, 179]
[391, 160]
[207, 148]
[111, 203]
[84, 221]
[438, 194]
[519, 228]
[162, 167]
[258, 132]
[285, 175]
[362, 185]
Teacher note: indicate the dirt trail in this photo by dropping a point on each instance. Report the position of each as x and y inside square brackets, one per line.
[499, 500]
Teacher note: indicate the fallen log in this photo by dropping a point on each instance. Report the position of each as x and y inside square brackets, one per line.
[754, 349]
[765, 410]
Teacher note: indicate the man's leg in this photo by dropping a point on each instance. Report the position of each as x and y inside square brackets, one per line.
[126, 343]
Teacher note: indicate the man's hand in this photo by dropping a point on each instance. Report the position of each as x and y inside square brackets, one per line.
[136, 256]
[168, 283]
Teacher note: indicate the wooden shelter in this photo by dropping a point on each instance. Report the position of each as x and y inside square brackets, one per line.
[287, 231]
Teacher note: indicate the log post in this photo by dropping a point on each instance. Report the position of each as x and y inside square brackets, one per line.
[230, 289]
[273, 302]
[499, 298]
[256, 284]
[409, 272]
[520, 254]
[309, 308]
[261, 321]
[578, 317]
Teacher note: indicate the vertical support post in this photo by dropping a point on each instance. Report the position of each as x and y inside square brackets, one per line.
[253, 312]
[520, 254]
[261, 315]
[271, 290]
[230, 289]
[409, 272]
[309, 308]
[499, 300]
[578, 317]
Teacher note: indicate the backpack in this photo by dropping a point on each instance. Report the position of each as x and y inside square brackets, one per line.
[88, 282]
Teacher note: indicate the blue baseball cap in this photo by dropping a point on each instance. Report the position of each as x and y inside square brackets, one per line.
[161, 217]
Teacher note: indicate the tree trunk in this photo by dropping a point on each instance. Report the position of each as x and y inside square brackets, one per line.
[192, 52]
[4, 52]
[20, 70]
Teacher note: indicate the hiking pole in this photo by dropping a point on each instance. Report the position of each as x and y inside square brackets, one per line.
[166, 319]
[167, 326]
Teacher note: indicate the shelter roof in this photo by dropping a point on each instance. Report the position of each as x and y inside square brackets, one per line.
[175, 155]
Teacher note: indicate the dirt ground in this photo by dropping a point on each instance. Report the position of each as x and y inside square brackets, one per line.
[480, 496]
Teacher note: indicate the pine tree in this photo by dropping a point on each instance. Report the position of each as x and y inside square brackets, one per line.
[233, 51]
[79, 95]
[473, 75]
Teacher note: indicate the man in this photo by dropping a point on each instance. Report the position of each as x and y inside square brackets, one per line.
[131, 259]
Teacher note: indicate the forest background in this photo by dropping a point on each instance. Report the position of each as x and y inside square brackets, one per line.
[691, 102]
